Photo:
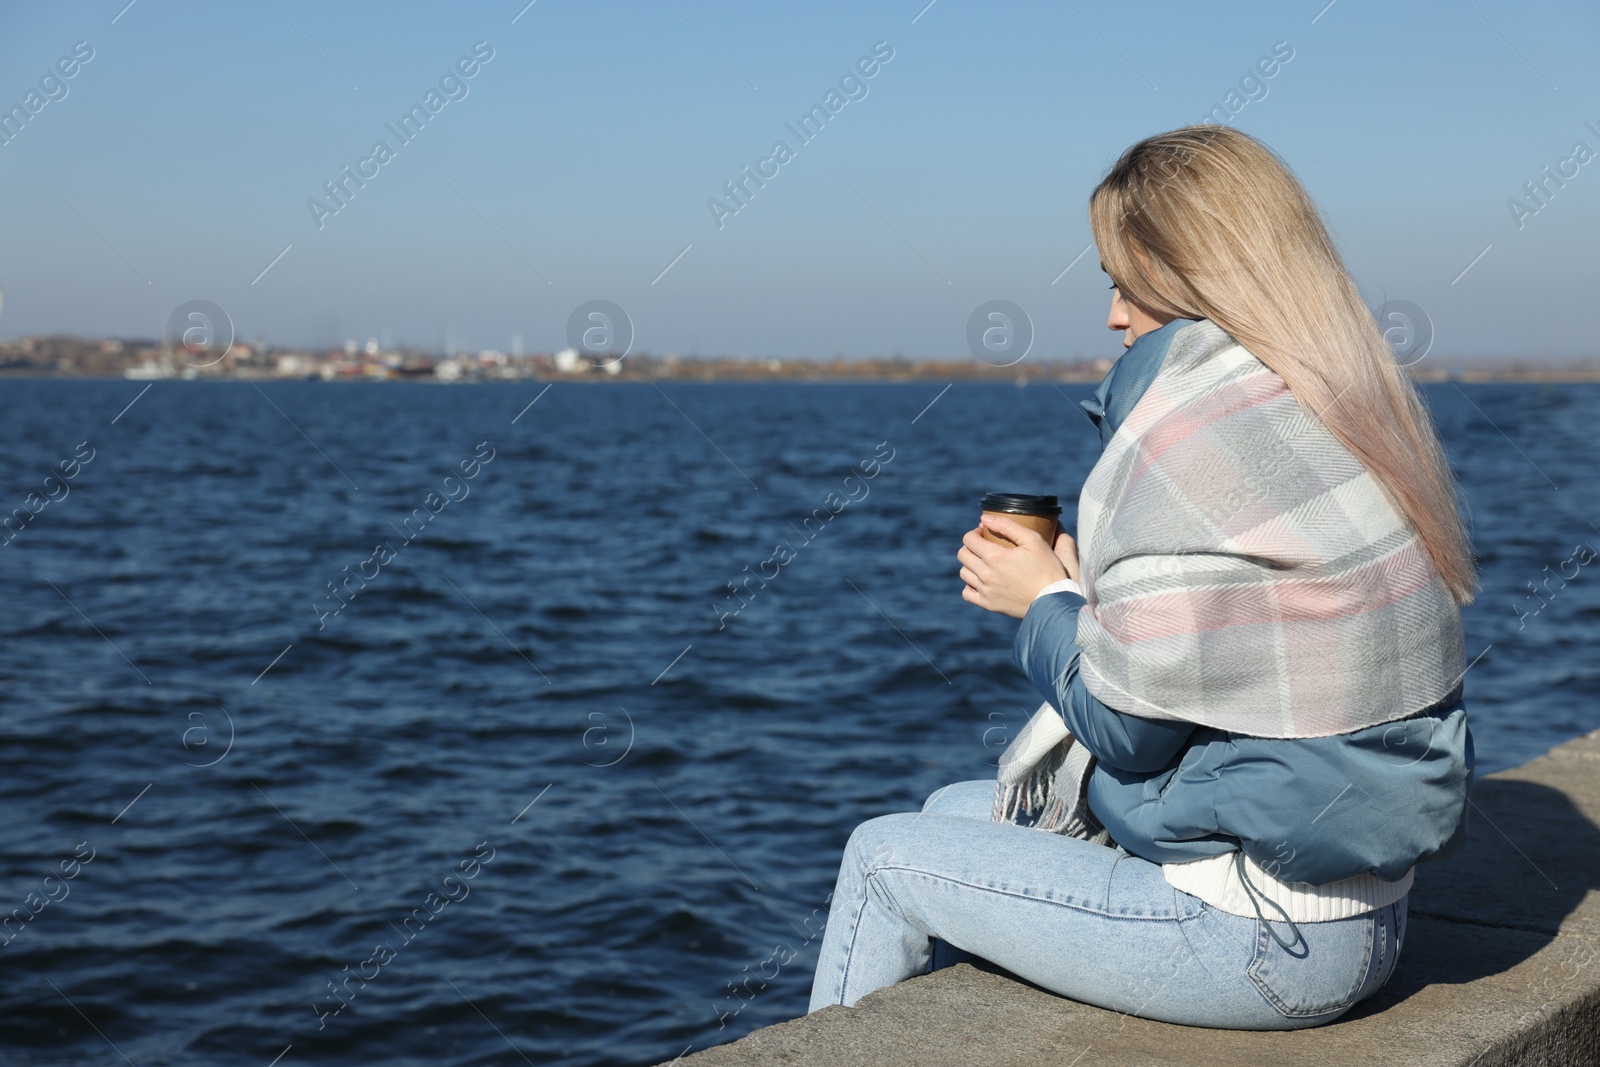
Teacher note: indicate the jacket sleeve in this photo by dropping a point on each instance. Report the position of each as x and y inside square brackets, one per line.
[1047, 652]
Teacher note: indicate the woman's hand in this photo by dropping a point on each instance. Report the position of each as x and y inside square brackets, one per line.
[1067, 553]
[1006, 578]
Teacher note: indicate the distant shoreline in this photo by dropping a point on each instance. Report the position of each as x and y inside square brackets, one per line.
[1544, 376]
[71, 357]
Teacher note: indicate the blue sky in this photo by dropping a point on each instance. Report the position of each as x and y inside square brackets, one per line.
[579, 162]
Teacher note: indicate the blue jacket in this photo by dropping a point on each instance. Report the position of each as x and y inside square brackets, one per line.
[1315, 810]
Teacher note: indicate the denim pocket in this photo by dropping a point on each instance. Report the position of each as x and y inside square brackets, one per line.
[1323, 975]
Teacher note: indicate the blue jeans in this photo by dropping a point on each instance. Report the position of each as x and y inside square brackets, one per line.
[1088, 922]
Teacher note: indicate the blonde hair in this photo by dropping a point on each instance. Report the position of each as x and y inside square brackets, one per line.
[1207, 222]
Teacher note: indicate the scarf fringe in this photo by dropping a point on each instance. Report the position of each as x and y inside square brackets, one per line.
[1051, 797]
[1013, 802]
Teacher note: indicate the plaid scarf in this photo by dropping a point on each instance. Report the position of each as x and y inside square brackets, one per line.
[1243, 571]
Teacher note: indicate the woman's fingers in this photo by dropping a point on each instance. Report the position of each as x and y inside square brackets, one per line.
[977, 544]
[970, 560]
[1010, 529]
[1066, 550]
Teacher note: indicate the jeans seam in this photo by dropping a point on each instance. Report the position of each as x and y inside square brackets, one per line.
[850, 949]
[1392, 944]
[1023, 896]
[1386, 920]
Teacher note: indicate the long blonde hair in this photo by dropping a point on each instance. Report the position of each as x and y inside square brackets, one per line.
[1207, 222]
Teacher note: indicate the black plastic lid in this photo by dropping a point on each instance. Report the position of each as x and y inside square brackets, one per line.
[1021, 504]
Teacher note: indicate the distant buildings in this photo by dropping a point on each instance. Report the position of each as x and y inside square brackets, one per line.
[148, 360]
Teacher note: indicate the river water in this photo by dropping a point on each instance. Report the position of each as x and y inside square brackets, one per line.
[535, 786]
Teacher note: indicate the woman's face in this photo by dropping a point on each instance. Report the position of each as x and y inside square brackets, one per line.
[1132, 320]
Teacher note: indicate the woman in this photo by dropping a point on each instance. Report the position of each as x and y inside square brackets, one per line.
[1253, 727]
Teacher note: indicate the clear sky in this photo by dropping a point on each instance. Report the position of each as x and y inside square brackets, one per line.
[579, 161]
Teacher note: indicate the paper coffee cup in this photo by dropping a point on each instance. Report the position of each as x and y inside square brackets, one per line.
[1038, 513]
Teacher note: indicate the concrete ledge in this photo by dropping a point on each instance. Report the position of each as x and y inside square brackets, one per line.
[1501, 966]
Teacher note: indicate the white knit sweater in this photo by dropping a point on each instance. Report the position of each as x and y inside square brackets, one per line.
[1215, 880]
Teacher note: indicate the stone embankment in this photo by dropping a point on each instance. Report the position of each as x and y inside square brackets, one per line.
[1501, 966]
